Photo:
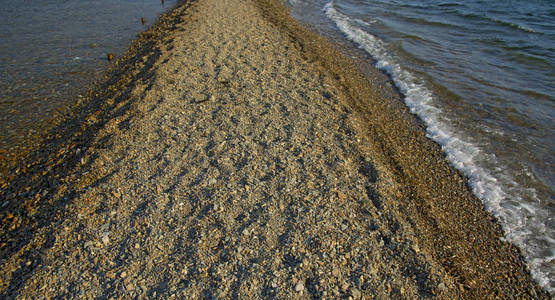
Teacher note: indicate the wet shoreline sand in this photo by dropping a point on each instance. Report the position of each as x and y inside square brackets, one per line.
[233, 153]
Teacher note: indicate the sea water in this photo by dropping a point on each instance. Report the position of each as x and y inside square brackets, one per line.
[481, 75]
[50, 50]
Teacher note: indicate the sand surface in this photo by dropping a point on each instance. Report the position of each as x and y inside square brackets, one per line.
[234, 154]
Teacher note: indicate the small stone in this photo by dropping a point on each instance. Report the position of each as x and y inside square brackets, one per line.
[300, 286]
[123, 274]
[106, 238]
[335, 272]
[225, 75]
[341, 195]
[105, 227]
[416, 248]
[137, 246]
[199, 97]
[356, 293]
[441, 286]
[28, 263]
[274, 285]
[345, 286]
[212, 181]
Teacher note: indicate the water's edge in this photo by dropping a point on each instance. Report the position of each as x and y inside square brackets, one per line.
[462, 154]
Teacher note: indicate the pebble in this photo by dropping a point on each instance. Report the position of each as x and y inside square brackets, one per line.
[300, 286]
[441, 286]
[416, 248]
[225, 75]
[341, 195]
[106, 238]
[198, 96]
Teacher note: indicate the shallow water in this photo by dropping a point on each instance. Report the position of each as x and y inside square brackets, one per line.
[481, 75]
[52, 49]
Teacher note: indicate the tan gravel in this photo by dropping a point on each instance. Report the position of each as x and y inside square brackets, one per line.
[234, 154]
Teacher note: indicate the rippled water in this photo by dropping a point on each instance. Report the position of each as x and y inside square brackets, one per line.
[481, 75]
[51, 49]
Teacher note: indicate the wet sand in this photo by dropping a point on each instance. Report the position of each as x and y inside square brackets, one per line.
[233, 153]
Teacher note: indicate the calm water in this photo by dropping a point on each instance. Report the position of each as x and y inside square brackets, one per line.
[481, 75]
[51, 49]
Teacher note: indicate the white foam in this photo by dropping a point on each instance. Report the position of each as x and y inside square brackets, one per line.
[499, 195]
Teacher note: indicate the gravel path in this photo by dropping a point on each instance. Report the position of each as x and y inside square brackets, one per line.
[234, 168]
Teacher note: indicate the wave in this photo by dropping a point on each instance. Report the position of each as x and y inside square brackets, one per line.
[498, 193]
[365, 23]
[448, 4]
[498, 21]
[513, 25]
[421, 21]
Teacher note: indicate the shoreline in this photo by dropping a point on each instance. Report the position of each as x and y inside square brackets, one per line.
[395, 178]
[13, 156]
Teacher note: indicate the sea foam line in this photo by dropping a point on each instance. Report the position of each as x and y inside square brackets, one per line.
[462, 154]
